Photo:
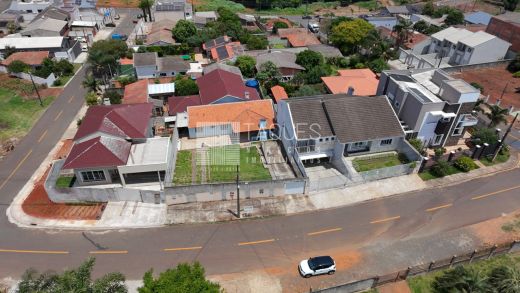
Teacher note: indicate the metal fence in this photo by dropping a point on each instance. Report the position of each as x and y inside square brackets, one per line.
[172, 157]
[387, 172]
[454, 260]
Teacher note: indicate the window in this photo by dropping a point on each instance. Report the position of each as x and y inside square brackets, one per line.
[446, 120]
[386, 141]
[321, 139]
[459, 128]
[261, 191]
[438, 139]
[332, 138]
[469, 50]
[163, 74]
[327, 139]
[92, 176]
[397, 104]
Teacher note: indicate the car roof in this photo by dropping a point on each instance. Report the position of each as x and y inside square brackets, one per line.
[323, 260]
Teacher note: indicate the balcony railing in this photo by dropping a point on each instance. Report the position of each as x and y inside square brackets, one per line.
[469, 120]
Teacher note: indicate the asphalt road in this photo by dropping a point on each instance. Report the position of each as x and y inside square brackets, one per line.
[236, 246]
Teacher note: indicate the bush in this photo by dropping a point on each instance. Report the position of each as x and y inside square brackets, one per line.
[439, 152]
[465, 164]
[440, 169]
[484, 135]
[477, 86]
[57, 82]
[113, 96]
[516, 74]
[417, 145]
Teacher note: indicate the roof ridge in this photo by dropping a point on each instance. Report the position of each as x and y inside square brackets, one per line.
[87, 149]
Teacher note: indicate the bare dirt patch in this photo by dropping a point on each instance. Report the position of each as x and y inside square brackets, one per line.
[494, 80]
[492, 231]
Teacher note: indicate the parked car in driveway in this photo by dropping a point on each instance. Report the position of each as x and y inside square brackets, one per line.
[317, 266]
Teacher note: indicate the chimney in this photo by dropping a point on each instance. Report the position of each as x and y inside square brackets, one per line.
[246, 95]
[350, 91]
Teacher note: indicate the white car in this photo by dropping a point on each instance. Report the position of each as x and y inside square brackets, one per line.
[317, 266]
[313, 27]
[84, 48]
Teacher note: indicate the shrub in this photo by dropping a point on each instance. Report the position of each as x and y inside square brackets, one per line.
[440, 169]
[477, 86]
[417, 145]
[516, 74]
[57, 82]
[465, 164]
[439, 151]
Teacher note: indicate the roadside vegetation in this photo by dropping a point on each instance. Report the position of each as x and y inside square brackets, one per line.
[498, 274]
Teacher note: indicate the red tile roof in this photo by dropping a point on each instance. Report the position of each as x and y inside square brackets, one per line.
[101, 151]
[244, 116]
[181, 104]
[363, 81]
[279, 93]
[117, 120]
[220, 83]
[126, 61]
[302, 39]
[136, 92]
[30, 58]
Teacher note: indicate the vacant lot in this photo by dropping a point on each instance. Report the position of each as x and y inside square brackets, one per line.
[18, 114]
[494, 81]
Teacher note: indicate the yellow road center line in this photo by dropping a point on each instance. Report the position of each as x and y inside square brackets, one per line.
[495, 192]
[15, 169]
[183, 248]
[385, 220]
[42, 136]
[34, 251]
[324, 231]
[439, 207]
[255, 242]
[109, 252]
[58, 116]
[70, 99]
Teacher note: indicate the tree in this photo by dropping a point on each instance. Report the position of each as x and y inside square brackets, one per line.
[11, 27]
[278, 25]
[421, 26]
[484, 135]
[268, 72]
[8, 51]
[348, 35]
[185, 278]
[510, 4]
[91, 99]
[256, 43]
[75, 280]
[309, 59]
[63, 67]
[315, 74]
[145, 6]
[378, 65]
[103, 56]
[186, 87]
[428, 8]
[455, 17]
[402, 30]
[183, 30]
[246, 64]
[496, 115]
[113, 96]
[18, 66]
[305, 91]
[126, 79]
[505, 279]
[91, 83]
[477, 107]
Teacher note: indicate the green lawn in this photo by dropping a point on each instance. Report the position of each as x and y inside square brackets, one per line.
[182, 174]
[65, 181]
[222, 169]
[17, 115]
[423, 283]
[501, 158]
[427, 175]
[371, 163]
[370, 4]
[300, 10]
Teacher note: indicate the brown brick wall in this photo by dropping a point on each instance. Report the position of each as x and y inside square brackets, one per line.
[506, 31]
[465, 108]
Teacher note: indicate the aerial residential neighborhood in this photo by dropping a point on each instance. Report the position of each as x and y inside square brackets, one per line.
[259, 146]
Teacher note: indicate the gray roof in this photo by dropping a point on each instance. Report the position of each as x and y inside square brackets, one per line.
[309, 118]
[223, 66]
[280, 59]
[52, 12]
[509, 17]
[356, 118]
[40, 26]
[397, 9]
[145, 59]
[172, 63]
[349, 118]
[326, 50]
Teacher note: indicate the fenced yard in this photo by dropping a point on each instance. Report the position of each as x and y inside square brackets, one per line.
[363, 164]
[219, 164]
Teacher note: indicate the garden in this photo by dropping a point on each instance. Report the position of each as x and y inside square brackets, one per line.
[363, 164]
[219, 164]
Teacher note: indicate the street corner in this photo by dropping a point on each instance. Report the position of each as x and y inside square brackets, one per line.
[498, 230]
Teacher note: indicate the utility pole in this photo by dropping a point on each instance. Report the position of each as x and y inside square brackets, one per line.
[504, 90]
[501, 142]
[238, 192]
[36, 89]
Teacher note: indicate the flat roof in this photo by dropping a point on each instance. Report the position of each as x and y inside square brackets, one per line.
[83, 23]
[161, 88]
[153, 151]
[461, 86]
[31, 43]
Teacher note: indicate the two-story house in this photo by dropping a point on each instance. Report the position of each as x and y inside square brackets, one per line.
[460, 46]
[431, 105]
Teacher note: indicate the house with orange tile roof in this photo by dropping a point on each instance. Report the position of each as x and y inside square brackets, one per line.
[251, 120]
[357, 82]
[228, 51]
[302, 40]
[279, 93]
[31, 58]
[145, 91]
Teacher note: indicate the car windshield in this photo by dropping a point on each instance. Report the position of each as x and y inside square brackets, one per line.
[312, 264]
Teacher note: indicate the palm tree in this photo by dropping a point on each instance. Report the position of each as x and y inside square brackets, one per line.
[91, 83]
[477, 105]
[402, 31]
[496, 115]
[145, 6]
